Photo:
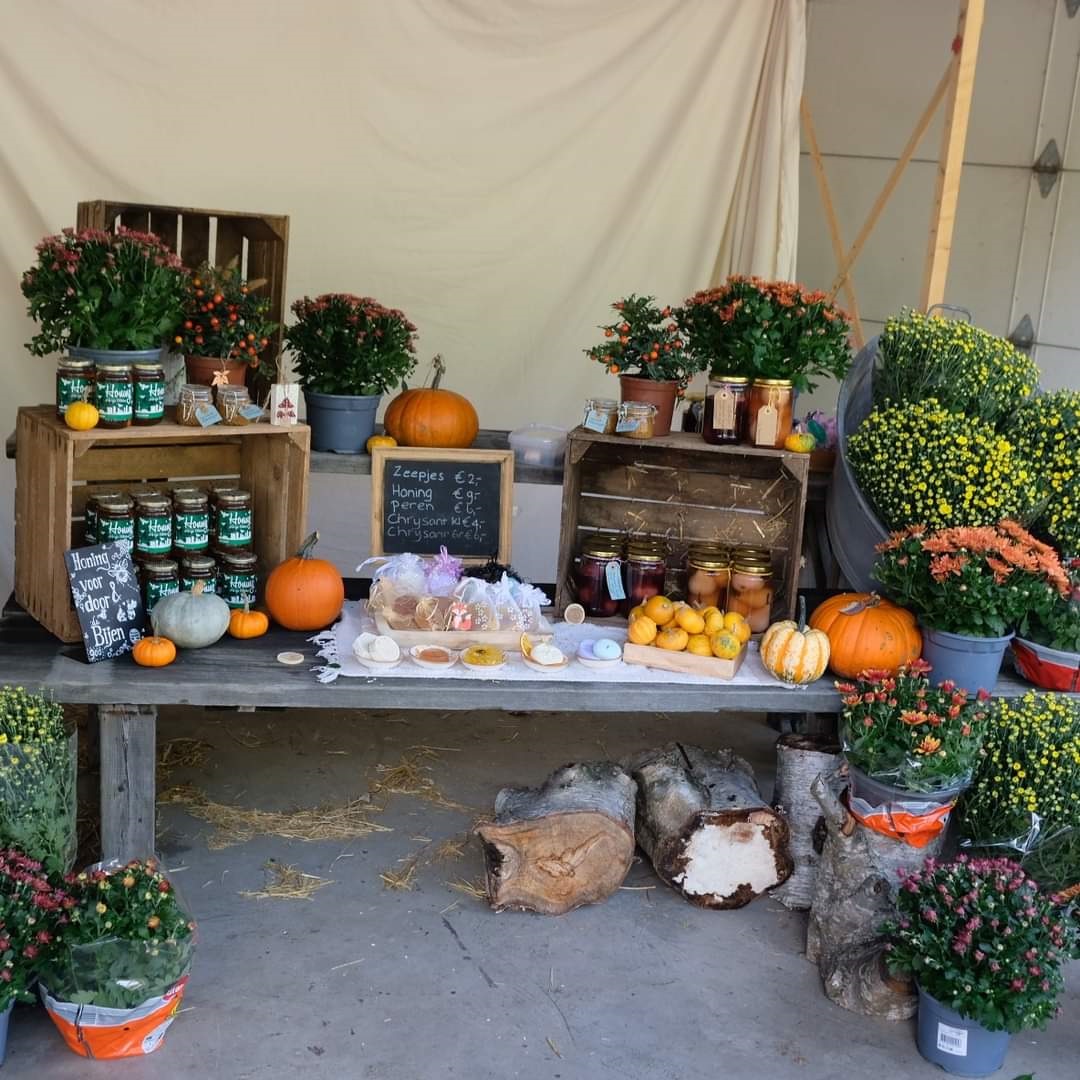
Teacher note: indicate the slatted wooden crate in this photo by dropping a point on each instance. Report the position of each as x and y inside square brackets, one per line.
[259, 241]
[57, 470]
[680, 489]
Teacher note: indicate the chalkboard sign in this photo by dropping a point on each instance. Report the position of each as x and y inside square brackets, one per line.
[105, 591]
[426, 499]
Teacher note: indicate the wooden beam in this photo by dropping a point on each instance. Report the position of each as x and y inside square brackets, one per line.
[951, 157]
[128, 760]
[894, 177]
[834, 225]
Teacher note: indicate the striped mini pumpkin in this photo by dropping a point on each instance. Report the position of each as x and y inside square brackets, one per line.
[792, 655]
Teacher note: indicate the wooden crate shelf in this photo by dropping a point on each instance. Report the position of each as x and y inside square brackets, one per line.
[57, 470]
[684, 491]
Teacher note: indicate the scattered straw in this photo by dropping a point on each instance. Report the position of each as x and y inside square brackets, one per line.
[182, 753]
[287, 883]
[402, 879]
[411, 776]
[452, 848]
[236, 825]
[475, 889]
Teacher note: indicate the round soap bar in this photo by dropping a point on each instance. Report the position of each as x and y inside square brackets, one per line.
[606, 649]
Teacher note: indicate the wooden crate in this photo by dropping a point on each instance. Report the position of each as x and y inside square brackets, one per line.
[57, 470]
[261, 241]
[684, 491]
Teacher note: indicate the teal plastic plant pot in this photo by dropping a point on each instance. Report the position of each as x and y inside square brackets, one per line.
[5, 1019]
[882, 793]
[341, 423]
[960, 1046]
[116, 357]
[973, 663]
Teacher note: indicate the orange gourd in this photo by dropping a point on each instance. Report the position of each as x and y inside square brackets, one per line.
[153, 652]
[867, 631]
[305, 593]
[794, 656]
[430, 416]
[642, 631]
[379, 440]
[245, 623]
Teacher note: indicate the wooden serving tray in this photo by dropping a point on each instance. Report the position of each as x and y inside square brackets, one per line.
[508, 640]
[686, 663]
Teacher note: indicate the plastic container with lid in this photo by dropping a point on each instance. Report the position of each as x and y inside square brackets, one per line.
[637, 420]
[644, 572]
[769, 412]
[539, 444]
[598, 576]
[751, 592]
[601, 415]
[153, 525]
[708, 575]
[74, 382]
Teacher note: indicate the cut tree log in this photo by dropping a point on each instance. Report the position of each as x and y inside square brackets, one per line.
[703, 823]
[799, 759]
[566, 843]
[854, 894]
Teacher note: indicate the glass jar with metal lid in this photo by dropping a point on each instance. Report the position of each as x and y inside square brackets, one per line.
[198, 568]
[232, 400]
[115, 518]
[148, 382]
[637, 420]
[708, 575]
[237, 578]
[153, 525]
[751, 592]
[193, 398]
[601, 415]
[90, 526]
[160, 577]
[74, 382]
[769, 412]
[191, 519]
[598, 576]
[114, 395]
[644, 571]
[724, 420]
[233, 519]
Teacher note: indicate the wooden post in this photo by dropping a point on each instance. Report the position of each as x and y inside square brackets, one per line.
[128, 750]
[951, 157]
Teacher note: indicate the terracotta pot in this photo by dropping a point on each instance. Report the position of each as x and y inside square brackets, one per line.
[202, 369]
[660, 394]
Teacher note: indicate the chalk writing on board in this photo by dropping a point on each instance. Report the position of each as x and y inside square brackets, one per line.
[105, 592]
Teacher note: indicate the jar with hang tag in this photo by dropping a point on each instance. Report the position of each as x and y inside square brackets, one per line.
[724, 418]
[234, 404]
[769, 412]
[708, 575]
[598, 576]
[193, 404]
[637, 420]
[601, 415]
[644, 572]
[751, 592]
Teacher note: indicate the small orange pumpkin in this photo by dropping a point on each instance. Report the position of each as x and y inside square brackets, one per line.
[245, 623]
[305, 593]
[430, 416]
[866, 631]
[153, 652]
[379, 440]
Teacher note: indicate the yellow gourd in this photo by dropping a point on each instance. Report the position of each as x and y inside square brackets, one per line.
[81, 416]
[380, 440]
[642, 631]
[800, 442]
[792, 655]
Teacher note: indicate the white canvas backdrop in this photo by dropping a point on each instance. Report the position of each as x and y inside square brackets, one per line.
[499, 169]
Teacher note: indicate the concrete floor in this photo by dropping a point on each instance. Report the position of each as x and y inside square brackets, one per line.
[363, 982]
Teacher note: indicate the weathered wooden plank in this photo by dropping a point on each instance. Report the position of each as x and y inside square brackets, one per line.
[162, 462]
[194, 237]
[229, 242]
[128, 752]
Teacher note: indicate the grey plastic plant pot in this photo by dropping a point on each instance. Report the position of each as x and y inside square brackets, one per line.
[960, 1046]
[116, 357]
[341, 423]
[973, 663]
[881, 793]
[5, 1019]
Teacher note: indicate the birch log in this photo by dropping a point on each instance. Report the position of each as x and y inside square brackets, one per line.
[800, 758]
[566, 843]
[703, 823]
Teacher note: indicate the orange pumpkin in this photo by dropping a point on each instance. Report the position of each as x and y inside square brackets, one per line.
[153, 652]
[429, 416]
[245, 623]
[867, 631]
[305, 593]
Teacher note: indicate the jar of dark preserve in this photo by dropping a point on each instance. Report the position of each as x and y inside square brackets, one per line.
[238, 575]
[724, 419]
[191, 520]
[232, 519]
[644, 572]
[74, 382]
[114, 395]
[153, 525]
[115, 520]
[148, 381]
[598, 570]
[198, 568]
[160, 577]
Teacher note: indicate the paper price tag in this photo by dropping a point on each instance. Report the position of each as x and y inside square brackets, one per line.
[768, 421]
[724, 411]
[614, 581]
[623, 426]
[252, 412]
[207, 415]
[951, 1040]
[594, 421]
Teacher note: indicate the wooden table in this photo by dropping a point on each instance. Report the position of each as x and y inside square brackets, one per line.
[247, 673]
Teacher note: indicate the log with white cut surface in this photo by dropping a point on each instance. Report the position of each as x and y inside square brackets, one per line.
[703, 823]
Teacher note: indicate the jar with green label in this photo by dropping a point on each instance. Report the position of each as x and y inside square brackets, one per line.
[114, 395]
[74, 382]
[160, 577]
[232, 520]
[153, 525]
[198, 568]
[90, 515]
[238, 578]
[115, 520]
[191, 520]
[148, 382]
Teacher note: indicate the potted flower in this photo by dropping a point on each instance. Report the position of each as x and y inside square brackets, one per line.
[32, 910]
[1046, 649]
[38, 807]
[969, 588]
[225, 328]
[350, 350]
[907, 739]
[126, 951]
[644, 348]
[111, 298]
[986, 950]
[760, 329]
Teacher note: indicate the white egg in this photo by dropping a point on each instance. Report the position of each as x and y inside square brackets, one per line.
[606, 649]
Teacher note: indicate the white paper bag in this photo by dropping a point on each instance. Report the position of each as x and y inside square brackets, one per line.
[284, 403]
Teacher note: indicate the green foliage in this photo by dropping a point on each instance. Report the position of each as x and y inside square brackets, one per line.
[101, 290]
[967, 370]
[348, 344]
[766, 330]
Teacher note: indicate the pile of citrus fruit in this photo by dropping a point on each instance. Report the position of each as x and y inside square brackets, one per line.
[678, 627]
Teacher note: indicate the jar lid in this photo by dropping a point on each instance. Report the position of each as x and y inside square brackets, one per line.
[231, 496]
[115, 503]
[188, 494]
[646, 550]
[752, 554]
[773, 382]
[152, 502]
[232, 391]
[160, 566]
[240, 560]
[124, 369]
[197, 562]
[691, 397]
[196, 390]
[602, 403]
[601, 547]
[638, 408]
[149, 367]
[755, 569]
[708, 562]
[71, 362]
[740, 380]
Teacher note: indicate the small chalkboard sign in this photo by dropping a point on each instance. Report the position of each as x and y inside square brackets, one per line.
[105, 591]
[424, 499]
